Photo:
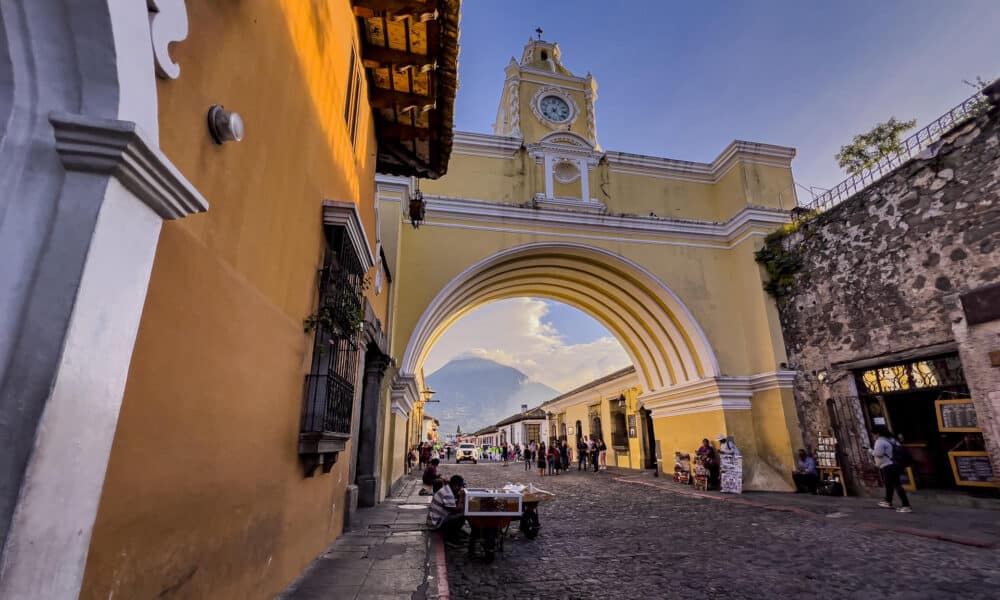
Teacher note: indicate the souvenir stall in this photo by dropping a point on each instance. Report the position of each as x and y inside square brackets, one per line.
[731, 463]
[682, 467]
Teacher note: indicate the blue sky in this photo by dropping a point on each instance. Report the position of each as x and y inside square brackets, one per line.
[683, 79]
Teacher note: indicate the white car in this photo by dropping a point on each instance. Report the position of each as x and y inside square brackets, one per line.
[467, 452]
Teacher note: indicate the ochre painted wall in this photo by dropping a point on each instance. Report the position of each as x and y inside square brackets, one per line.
[204, 495]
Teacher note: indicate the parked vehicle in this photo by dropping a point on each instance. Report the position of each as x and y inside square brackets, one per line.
[467, 452]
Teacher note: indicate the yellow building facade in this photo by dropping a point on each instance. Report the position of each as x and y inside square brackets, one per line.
[607, 408]
[660, 251]
[210, 393]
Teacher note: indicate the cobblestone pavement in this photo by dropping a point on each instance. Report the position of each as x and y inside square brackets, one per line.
[606, 539]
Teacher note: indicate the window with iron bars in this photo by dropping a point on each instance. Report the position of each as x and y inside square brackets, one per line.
[330, 384]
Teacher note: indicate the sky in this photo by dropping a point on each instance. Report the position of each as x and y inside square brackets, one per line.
[683, 79]
[550, 342]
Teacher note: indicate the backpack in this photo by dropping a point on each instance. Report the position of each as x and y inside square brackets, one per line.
[901, 456]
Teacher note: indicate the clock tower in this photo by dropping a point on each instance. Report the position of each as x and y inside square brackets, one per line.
[552, 111]
[541, 96]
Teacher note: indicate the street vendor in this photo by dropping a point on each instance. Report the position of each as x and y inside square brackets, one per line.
[447, 512]
[805, 476]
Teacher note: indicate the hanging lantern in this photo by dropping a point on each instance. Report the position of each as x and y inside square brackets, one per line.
[417, 207]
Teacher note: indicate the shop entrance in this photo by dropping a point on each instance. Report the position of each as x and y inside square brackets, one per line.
[926, 403]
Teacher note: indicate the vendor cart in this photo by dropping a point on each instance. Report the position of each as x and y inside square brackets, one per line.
[489, 513]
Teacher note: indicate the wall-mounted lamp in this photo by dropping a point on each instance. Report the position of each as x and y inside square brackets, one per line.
[822, 376]
[417, 207]
[427, 393]
[621, 401]
[225, 126]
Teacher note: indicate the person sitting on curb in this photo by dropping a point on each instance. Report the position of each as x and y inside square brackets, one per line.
[432, 478]
[805, 476]
[447, 512]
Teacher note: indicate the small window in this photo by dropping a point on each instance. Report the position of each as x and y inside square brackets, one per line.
[352, 102]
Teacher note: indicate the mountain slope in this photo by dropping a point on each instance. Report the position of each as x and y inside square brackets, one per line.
[475, 392]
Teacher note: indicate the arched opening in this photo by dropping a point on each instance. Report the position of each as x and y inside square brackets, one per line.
[656, 330]
[502, 362]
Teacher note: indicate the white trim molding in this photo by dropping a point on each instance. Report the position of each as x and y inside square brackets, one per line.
[713, 393]
[403, 395]
[345, 214]
[508, 215]
[121, 149]
[667, 344]
[485, 145]
[738, 151]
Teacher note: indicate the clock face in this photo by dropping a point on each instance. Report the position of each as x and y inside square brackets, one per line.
[554, 108]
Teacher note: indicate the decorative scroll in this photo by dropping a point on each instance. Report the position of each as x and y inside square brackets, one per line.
[168, 22]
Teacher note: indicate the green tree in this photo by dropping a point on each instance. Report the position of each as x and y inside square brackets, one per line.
[866, 149]
[981, 104]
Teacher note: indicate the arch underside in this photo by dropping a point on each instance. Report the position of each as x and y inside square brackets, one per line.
[654, 328]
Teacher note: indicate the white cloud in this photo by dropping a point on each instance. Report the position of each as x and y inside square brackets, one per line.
[514, 333]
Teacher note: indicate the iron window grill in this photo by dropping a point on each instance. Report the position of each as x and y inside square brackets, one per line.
[331, 381]
[937, 372]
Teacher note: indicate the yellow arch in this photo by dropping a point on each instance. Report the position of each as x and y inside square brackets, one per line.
[657, 331]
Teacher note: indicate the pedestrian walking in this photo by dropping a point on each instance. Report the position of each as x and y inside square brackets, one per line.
[891, 459]
[602, 452]
[504, 451]
[527, 458]
[553, 458]
[564, 455]
[593, 452]
[540, 459]
[581, 454]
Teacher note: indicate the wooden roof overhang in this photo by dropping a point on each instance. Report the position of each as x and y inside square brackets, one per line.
[410, 54]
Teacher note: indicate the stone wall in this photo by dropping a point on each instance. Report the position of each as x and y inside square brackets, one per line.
[881, 274]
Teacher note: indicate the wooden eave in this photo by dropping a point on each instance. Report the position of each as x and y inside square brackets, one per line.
[409, 49]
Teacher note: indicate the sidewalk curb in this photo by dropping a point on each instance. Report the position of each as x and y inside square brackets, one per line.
[934, 535]
[443, 590]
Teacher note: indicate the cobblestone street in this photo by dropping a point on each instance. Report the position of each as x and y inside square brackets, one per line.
[603, 538]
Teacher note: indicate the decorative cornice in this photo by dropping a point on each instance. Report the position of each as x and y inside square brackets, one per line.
[122, 150]
[404, 393]
[539, 150]
[546, 75]
[736, 152]
[392, 188]
[484, 145]
[481, 211]
[570, 204]
[345, 214]
[492, 146]
[715, 393]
